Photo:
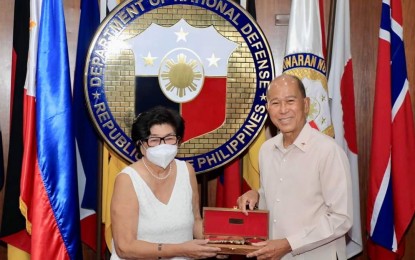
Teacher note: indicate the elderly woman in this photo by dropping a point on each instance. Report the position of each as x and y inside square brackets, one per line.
[155, 207]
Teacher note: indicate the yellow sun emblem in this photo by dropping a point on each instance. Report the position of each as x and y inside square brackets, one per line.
[314, 110]
[181, 75]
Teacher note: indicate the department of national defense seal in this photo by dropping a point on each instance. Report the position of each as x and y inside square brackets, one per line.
[207, 59]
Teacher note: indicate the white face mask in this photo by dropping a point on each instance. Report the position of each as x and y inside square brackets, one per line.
[162, 154]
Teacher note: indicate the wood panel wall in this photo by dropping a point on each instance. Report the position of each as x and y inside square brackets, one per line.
[364, 32]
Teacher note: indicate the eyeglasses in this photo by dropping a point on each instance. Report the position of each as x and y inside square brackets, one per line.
[169, 139]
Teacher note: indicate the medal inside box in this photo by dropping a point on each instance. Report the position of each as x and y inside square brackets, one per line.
[233, 231]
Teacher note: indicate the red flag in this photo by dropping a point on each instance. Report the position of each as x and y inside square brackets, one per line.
[229, 185]
[341, 91]
[391, 201]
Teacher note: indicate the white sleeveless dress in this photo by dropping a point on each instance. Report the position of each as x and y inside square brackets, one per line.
[170, 223]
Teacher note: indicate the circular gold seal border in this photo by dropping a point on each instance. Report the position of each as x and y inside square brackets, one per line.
[126, 13]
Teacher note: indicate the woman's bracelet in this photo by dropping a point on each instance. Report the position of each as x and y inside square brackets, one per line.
[159, 248]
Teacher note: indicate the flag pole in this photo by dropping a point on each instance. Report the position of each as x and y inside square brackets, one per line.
[331, 26]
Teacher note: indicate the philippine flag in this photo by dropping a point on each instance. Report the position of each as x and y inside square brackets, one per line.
[49, 194]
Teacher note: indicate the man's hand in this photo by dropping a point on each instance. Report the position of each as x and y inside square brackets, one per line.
[272, 249]
[249, 198]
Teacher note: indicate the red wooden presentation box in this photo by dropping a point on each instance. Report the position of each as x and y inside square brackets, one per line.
[233, 231]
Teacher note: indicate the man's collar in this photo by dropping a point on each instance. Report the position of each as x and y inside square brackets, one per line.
[301, 141]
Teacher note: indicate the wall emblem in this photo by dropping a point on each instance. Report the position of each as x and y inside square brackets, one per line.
[206, 59]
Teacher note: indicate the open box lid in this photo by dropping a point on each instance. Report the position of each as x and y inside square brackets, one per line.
[232, 222]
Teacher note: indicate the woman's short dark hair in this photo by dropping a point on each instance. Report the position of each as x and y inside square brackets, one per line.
[155, 116]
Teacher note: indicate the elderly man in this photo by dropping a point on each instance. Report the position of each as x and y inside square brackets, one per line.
[305, 182]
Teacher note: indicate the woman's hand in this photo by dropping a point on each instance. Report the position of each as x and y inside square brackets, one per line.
[198, 248]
